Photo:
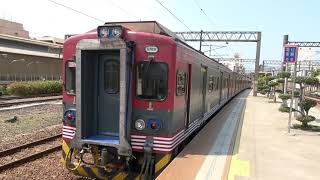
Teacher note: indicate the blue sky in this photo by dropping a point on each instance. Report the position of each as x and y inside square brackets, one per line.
[274, 18]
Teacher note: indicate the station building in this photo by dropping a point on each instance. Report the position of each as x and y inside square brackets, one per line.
[25, 59]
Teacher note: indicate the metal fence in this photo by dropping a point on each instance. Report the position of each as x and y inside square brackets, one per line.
[28, 77]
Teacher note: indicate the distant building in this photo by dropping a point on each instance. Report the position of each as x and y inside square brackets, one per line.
[26, 59]
[13, 29]
[51, 39]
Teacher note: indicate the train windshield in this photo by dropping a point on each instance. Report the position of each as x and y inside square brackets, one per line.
[70, 78]
[152, 80]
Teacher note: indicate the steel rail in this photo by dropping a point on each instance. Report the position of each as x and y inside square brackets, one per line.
[8, 104]
[313, 98]
[28, 145]
[29, 158]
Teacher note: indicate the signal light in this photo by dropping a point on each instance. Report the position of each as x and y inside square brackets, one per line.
[153, 125]
[70, 115]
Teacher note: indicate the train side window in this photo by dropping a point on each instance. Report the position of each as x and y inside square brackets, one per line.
[181, 83]
[211, 84]
[70, 79]
[111, 76]
[152, 80]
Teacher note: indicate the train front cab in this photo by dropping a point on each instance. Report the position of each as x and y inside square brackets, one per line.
[103, 115]
[96, 123]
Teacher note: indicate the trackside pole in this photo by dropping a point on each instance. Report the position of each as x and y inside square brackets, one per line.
[256, 69]
[292, 95]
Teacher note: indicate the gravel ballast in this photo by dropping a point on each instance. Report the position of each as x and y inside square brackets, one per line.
[48, 167]
[17, 123]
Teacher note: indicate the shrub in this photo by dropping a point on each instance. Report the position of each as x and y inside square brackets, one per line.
[263, 92]
[280, 80]
[284, 74]
[307, 104]
[2, 90]
[305, 120]
[284, 109]
[273, 83]
[284, 96]
[311, 80]
[296, 94]
[35, 88]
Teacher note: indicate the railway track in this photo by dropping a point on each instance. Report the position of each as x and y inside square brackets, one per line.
[29, 157]
[313, 98]
[29, 101]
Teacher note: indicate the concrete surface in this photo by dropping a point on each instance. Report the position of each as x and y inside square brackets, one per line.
[206, 155]
[267, 152]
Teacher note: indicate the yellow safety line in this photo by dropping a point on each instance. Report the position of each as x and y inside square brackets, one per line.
[238, 167]
[120, 176]
[163, 162]
[65, 147]
[138, 177]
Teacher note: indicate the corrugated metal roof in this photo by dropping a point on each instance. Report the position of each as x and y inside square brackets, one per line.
[30, 41]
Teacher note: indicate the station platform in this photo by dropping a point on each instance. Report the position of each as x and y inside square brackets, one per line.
[248, 139]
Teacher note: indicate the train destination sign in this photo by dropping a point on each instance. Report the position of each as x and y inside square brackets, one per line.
[151, 49]
[290, 54]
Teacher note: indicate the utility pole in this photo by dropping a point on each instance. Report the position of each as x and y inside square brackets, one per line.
[201, 41]
[285, 41]
[292, 95]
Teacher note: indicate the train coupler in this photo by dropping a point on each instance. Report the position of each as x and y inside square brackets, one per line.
[148, 165]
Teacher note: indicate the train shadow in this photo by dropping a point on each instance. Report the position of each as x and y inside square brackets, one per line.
[218, 136]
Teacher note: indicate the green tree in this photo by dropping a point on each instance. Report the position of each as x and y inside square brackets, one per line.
[305, 106]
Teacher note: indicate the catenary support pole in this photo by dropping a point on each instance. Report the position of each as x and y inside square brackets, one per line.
[285, 42]
[256, 69]
[200, 40]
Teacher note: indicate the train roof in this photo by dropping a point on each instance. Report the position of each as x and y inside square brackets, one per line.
[156, 28]
[146, 26]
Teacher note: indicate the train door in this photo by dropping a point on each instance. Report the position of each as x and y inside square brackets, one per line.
[108, 94]
[188, 95]
[204, 88]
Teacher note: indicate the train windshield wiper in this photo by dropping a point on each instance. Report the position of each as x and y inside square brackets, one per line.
[145, 73]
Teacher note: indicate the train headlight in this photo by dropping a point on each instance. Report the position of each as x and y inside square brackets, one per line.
[109, 31]
[117, 32]
[140, 124]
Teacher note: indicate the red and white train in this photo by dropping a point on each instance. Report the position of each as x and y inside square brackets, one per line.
[133, 93]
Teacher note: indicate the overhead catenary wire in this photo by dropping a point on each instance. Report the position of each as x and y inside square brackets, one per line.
[123, 10]
[75, 10]
[202, 10]
[167, 9]
[209, 19]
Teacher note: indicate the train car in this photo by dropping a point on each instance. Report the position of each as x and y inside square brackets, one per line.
[133, 93]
